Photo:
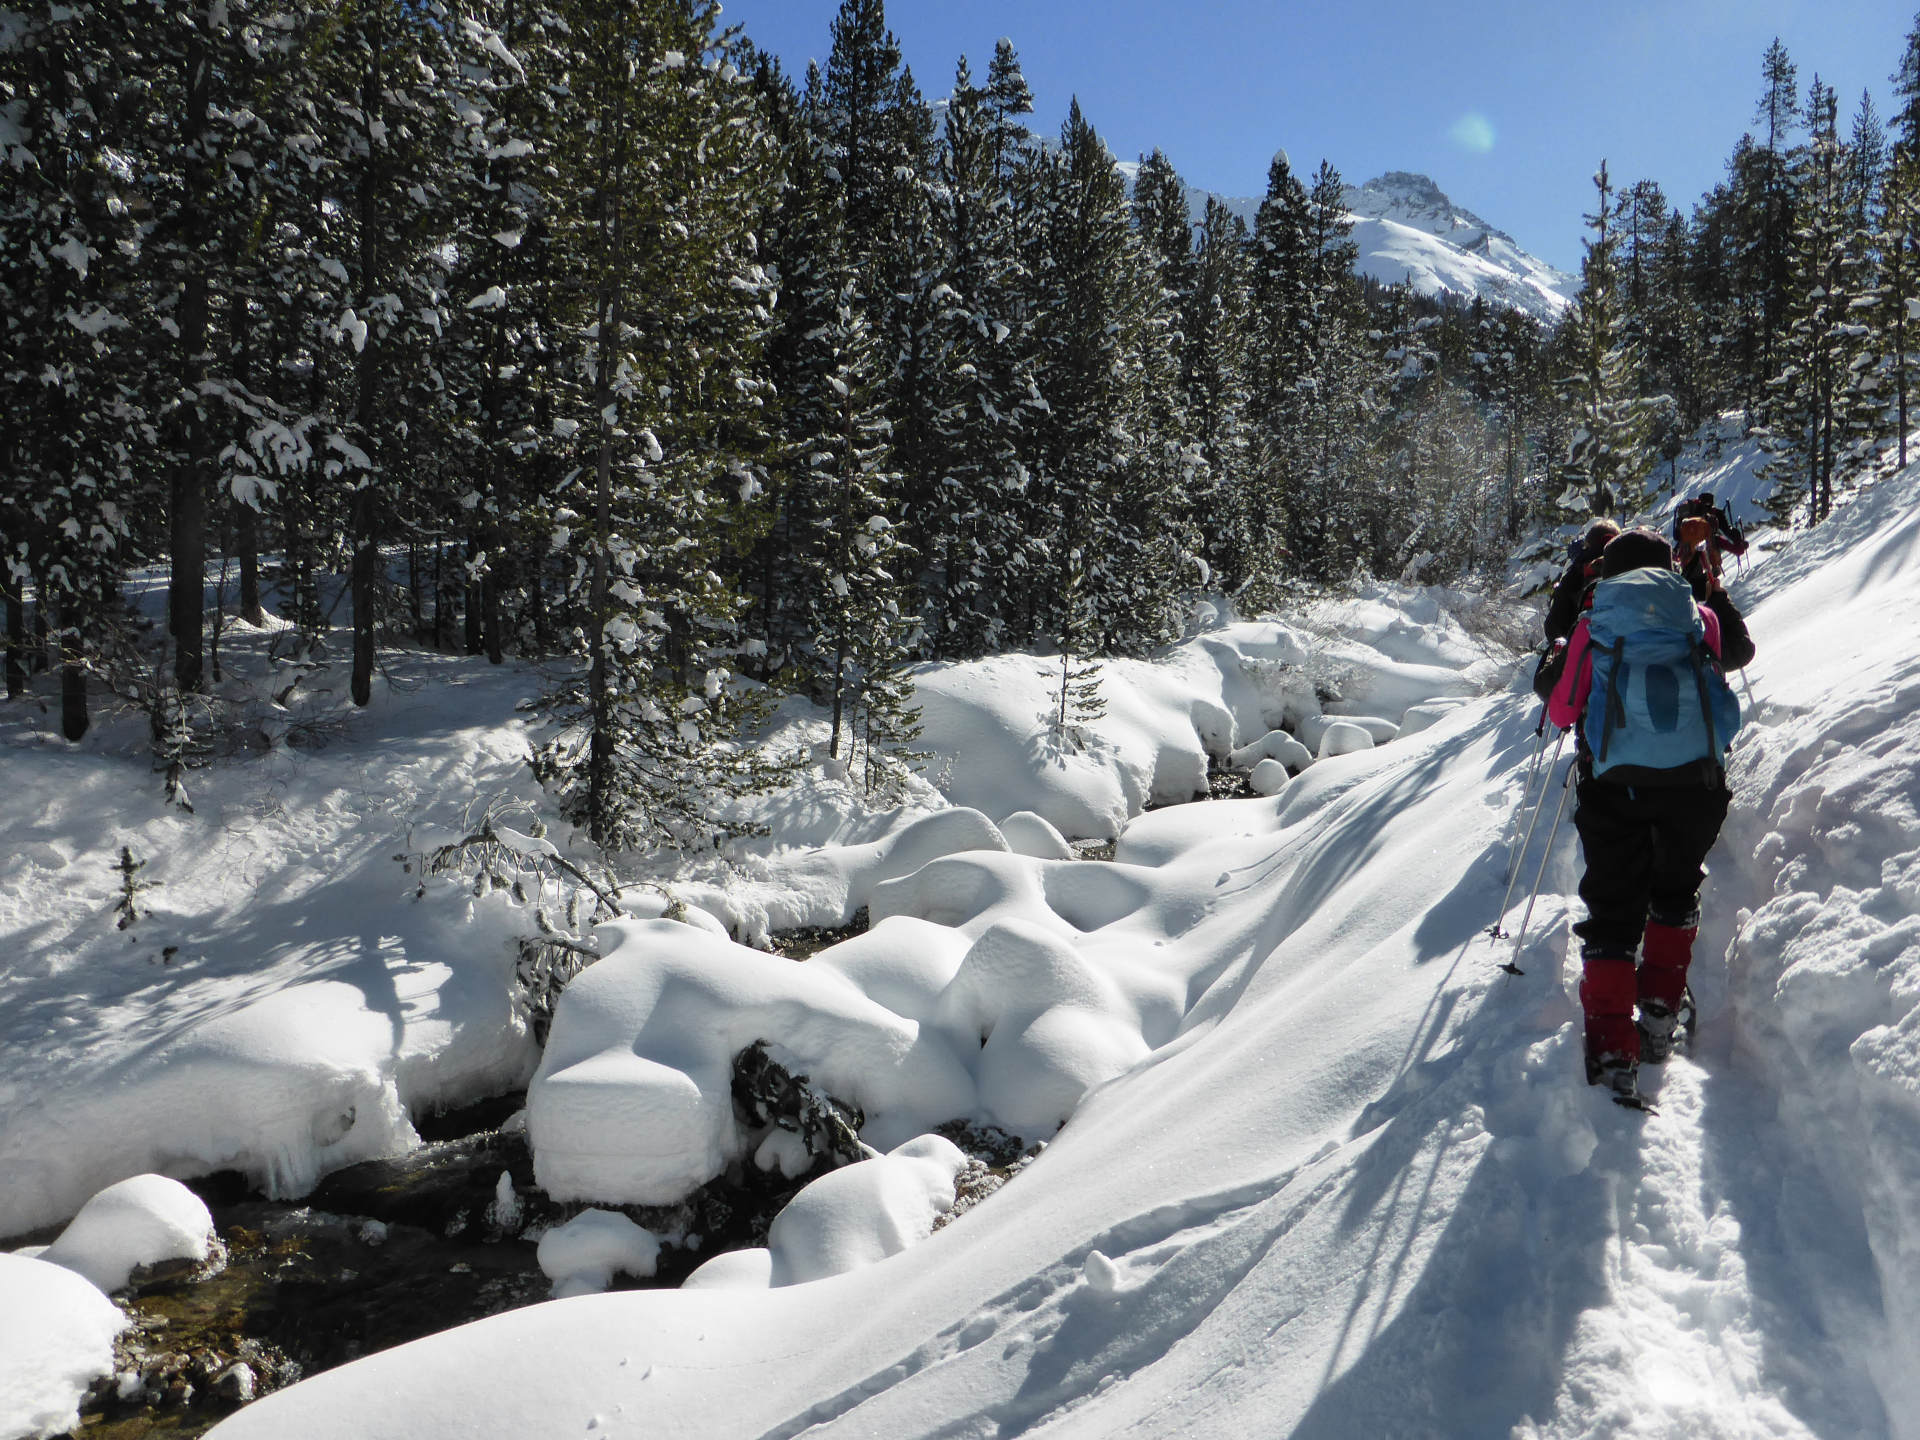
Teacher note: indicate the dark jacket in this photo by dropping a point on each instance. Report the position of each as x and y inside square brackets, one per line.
[1569, 598]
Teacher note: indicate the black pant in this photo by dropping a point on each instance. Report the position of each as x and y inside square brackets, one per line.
[1644, 848]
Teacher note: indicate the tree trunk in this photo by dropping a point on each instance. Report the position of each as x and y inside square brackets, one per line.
[187, 539]
[366, 549]
[471, 593]
[490, 611]
[73, 674]
[246, 526]
[599, 674]
[16, 643]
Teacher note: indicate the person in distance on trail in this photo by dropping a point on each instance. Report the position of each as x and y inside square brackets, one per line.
[1570, 590]
[1655, 715]
[1702, 533]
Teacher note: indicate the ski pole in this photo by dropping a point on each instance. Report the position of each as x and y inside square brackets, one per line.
[1514, 858]
[1540, 874]
[1526, 794]
[1746, 685]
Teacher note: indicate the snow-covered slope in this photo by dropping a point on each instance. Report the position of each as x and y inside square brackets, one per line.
[1363, 1191]
[1407, 231]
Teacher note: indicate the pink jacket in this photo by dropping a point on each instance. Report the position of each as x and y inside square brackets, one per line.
[1569, 696]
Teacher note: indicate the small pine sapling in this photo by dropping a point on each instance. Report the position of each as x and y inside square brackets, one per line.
[131, 886]
[1078, 700]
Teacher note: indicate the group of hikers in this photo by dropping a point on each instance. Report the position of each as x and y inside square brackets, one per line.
[1641, 634]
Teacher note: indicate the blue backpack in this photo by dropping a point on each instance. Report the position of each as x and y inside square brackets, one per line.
[1657, 700]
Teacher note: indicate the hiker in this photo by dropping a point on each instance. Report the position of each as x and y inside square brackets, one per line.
[1702, 533]
[1570, 591]
[1655, 716]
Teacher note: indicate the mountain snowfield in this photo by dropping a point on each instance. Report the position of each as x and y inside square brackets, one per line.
[1406, 231]
[1328, 1171]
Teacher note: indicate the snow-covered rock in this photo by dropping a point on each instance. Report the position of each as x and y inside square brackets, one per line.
[1277, 745]
[56, 1339]
[1343, 737]
[1269, 777]
[862, 1213]
[633, 1104]
[141, 1221]
[1031, 834]
[582, 1256]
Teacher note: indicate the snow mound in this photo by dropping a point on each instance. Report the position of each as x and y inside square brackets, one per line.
[582, 1256]
[749, 1269]
[1343, 737]
[140, 1221]
[1277, 745]
[787, 888]
[633, 1104]
[863, 1213]
[991, 723]
[1269, 777]
[56, 1339]
[1031, 834]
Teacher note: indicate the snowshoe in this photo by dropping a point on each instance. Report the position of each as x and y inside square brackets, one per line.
[1662, 1027]
[1658, 1026]
[1620, 1077]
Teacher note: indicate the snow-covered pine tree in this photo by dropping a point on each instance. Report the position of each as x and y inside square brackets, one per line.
[876, 134]
[1281, 278]
[847, 549]
[1096, 500]
[1607, 455]
[74, 391]
[668, 169]
[1173, 466]
[385, 133]
[498, 352]
[1216, 325]
[1808, 430]
[1771, 205]
[1339, 397]
[967, 518]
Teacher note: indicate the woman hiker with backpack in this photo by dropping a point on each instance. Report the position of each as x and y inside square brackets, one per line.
[1655, 717]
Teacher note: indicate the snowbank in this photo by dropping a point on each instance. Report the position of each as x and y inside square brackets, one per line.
[56, 1339]
[284, 1003]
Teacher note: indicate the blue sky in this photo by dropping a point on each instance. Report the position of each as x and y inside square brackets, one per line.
[1510, 105]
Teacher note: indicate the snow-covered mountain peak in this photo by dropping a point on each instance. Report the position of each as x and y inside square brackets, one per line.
[1407, 230]
[1414, 200]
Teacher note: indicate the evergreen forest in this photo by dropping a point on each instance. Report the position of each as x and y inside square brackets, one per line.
[580, 331]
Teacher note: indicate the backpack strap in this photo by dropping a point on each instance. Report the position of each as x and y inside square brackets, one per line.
[1710, 767]
[1616, 707]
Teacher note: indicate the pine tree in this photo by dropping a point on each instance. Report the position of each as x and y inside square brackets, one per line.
[967, 518]
[669, 170]
[1216, 325]
[1281, 289]
[1771, 239]
[1607, 453]
[1098, 509]
[75, 392]
[1812, 426]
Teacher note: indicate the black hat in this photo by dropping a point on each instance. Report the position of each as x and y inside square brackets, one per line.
[1635, 550]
